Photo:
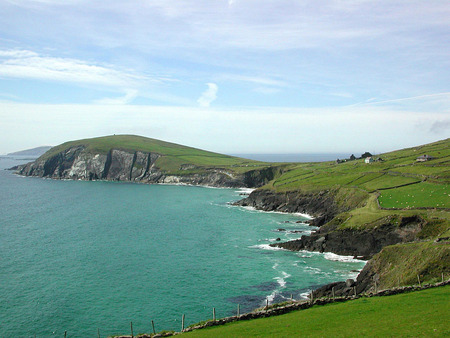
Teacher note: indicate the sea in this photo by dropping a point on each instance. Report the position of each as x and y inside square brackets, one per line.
[95, 258]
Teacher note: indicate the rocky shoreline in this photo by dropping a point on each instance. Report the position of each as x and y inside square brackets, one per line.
[360, 243]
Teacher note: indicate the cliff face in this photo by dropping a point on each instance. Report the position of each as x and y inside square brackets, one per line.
[119, 165]
[320, 204]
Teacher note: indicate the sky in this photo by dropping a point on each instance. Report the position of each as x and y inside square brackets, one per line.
[230, 76]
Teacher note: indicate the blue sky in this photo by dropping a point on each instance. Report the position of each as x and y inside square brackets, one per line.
[232, 76]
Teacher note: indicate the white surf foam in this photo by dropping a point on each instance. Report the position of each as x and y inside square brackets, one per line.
[245, 191]
[282, 280]
[253, 209]
[265, 247]
[305, 295]
[337, 258]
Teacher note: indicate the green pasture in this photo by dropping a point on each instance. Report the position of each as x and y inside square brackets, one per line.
[423, 313]
[417, 195]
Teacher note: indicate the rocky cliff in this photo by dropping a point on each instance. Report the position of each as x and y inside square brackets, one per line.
[119, 165]
[323, 205]
[363, 243]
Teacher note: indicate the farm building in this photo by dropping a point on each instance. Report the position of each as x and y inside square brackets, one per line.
[424, 158]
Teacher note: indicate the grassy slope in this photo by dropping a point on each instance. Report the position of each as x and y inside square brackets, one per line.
[398, 182]
[174, 155]
[421, 313]
[401, 264]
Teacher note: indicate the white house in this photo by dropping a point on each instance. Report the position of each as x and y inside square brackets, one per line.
[368, 159]
[424, 158]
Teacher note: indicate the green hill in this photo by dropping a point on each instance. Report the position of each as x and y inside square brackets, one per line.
[173, 156]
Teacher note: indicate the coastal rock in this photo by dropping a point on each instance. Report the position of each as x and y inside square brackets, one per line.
[354, 242]
[321, 205]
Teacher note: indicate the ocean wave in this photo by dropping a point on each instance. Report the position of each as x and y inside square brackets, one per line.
[337, 258]
[244, 191]
[315, 270]
[266, 247]
[305, 295]
[282, 280]
[253, 209]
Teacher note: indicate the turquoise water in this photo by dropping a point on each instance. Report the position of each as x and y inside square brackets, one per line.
[80, 256]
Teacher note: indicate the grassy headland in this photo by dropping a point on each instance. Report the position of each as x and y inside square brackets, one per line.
[173, 156]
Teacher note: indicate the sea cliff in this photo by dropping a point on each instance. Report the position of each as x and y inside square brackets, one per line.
[77, 163]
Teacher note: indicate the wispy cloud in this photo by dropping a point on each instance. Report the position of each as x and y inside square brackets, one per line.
[209, 95]
[259, 80]
[373, 101]
[130, 95]
[25, 64]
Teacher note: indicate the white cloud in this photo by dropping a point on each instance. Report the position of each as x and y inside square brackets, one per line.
[209, 95]
[259, 80]
[130, 95]
[25, 64]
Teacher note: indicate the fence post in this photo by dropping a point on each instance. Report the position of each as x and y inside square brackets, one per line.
[182, 323]
[214, 314]
[238, 311]
[267, 304]
[311, 298]
[332, 291]
[131, 327]
[376, 287]
[153, 327]
[354, 290]
[65, 334]
[98, 332]
[418, 278]
[442, 277]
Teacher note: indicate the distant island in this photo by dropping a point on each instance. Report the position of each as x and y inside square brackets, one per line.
[34, 152]
[391, 209]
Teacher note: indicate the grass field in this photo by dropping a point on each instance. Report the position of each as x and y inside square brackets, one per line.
[417, 314]
[420, 195]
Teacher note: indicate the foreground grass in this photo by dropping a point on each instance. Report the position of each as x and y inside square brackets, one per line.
[421, 313]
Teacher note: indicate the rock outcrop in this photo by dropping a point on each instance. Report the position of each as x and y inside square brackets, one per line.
[320, 204]
[363, 243]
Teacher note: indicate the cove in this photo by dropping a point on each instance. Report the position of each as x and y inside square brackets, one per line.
[79, 256]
